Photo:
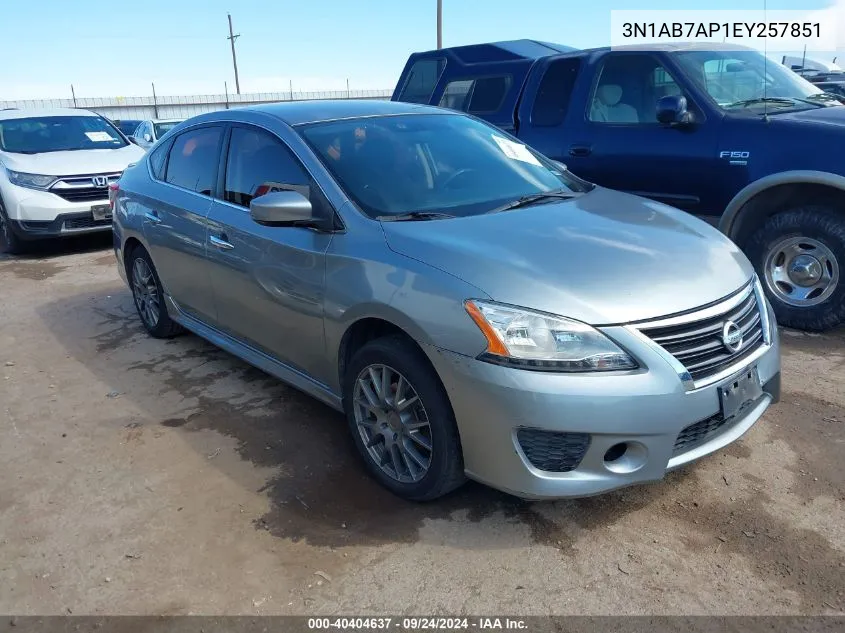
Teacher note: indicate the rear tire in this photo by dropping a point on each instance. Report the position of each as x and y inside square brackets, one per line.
[148, 295]
[10, 243]
[407, 438]
[800, 258]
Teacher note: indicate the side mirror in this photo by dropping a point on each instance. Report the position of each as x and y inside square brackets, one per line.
[672, 110]
[283, 208]
[132, 139]
[148, 138]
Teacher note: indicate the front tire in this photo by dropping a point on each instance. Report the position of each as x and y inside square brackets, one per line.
[800, 259]
[148, 295]
[10, 243]
[401, 420]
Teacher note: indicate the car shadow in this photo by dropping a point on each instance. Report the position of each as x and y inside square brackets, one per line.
[54, 248]
[319, 491]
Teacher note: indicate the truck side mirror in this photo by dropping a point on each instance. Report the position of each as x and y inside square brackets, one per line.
[672, 110]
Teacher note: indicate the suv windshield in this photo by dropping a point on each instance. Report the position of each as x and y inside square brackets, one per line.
[37, 135]
[741, 80]
[444, 163]
[164, 128]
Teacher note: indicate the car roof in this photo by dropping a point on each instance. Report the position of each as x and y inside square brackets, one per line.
[672, 47]
[321, 110]
[29, 113]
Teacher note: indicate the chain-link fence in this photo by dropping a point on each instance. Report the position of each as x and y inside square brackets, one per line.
[184, 106]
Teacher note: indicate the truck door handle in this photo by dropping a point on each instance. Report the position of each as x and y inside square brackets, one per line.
[580, 150]
[221, 242]
[152, 216]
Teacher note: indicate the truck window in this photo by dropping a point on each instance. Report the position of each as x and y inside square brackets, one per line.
[554, 93]
[421, 81]
[628, 89]
[476, 96]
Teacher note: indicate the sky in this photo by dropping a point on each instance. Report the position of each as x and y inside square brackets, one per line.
[117, 48]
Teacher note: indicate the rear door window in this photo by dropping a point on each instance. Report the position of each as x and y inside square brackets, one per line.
[421, 81]
[555, 92]
[193, 159]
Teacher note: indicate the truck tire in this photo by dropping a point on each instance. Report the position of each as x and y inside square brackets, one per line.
[10, 244]
[800, 258]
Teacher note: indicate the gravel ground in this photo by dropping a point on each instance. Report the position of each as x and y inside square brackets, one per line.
[167, 477]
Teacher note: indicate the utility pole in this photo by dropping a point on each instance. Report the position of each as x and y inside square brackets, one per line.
[439, 24]
[232, 37]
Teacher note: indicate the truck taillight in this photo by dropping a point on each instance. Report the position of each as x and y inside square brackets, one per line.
[113, 189]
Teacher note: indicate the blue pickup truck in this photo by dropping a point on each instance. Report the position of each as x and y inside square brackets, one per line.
[719, 131]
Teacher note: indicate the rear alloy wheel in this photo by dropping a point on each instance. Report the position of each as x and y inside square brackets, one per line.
[401, 420]
[799, 256]
[148, 296]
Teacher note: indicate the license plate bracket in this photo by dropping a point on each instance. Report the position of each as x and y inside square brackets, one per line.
[101, 212]
[740, 391]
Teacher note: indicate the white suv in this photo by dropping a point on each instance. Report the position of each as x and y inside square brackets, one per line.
[55, 170]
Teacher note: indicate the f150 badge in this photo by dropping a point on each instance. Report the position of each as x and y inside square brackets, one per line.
[736, 158]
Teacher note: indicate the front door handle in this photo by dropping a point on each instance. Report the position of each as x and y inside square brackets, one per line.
[221, 243]
[152, 216]
[580, 150]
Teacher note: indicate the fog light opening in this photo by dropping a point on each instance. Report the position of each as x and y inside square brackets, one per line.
[625, 457]
[615, 452]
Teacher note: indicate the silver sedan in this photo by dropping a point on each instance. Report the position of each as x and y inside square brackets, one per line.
[472, 307]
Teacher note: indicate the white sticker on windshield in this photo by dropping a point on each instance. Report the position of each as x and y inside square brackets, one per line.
[516, 151]
[100, 137]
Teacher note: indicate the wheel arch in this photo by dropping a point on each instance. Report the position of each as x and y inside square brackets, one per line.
[368, 327]
[778, 192]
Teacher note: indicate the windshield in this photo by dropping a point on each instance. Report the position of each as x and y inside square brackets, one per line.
[164, 128]
[432, 163]
[37, 135]
[741, 79]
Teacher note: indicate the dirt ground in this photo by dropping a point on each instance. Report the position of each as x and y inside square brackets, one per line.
[166, 477]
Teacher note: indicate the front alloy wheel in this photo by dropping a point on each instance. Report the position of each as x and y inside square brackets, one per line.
[393, 423]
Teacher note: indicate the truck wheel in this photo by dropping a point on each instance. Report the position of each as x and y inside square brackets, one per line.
[799, 255]
[9, 242]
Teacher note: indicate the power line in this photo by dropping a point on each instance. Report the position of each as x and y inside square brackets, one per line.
[232, 37]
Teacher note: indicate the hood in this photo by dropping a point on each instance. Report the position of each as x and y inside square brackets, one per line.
[88, 161]
[829, 116]
[603, 258]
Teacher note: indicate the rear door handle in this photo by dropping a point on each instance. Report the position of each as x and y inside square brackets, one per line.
[152, 216]
[580, 150]
[221, 243]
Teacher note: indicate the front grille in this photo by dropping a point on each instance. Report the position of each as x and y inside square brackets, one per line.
[86, 222]
[698, 345]
[553, 452]
[698, 433]
[83, 189]
[84, 195]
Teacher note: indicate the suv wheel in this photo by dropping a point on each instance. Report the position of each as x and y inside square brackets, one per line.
[800, 258]
[148, 296]
[401, 420]
[9, 242]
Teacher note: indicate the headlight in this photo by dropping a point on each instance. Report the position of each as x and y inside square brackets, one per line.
[32, 181]
[532, 340]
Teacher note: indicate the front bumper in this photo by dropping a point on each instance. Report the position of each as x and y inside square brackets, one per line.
[35, 215]
[645, 410]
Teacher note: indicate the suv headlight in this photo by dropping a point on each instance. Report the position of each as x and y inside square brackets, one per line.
[532, 340]
[31, 181]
